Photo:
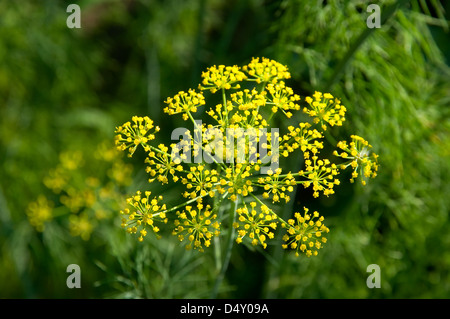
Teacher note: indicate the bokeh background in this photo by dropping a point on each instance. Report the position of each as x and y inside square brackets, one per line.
[63, 91]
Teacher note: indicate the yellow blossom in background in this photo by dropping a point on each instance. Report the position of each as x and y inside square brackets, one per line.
[39, 212]
[86, 187]
[56, 180]
[81, 225]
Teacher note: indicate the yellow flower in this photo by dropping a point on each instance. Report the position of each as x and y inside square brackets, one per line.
[232, 153]
[300, 137]
[283, 98]
[235, 181]
[358, 156]
[197, 226]
[320, 174]
[130, 135]
[325, 109]
[258, 226]
[184, 102]
[161, 164]
[304, 234]
[221, 77]
[266, 70]
[144, 213]
[277, 186]
[200, 181]
[247, 100]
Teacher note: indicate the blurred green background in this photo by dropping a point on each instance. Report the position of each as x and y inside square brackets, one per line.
[63, 91]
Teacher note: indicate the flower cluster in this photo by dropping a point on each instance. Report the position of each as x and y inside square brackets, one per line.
[222, 77]
[144, 213]
[197, 225]
[199, 182]
[358, 156]
[184, 102]
[161, 165]
[84, 187]
[266, 70]
[257, 225]
[325, 109]
[320, 174]
[282, 98]
[276, 186]
[130, 135]
[304, 233]
[301, 137]
[237, 156]
[39, 212]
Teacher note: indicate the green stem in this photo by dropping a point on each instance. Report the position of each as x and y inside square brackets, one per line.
[155, 149]
[224, 98]
[217, 247]
[229, 248]
[179, 206]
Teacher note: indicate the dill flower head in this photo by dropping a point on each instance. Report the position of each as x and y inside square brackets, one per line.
[143, 215]
[197, 225]
[359, 157]
[184, 102]
[302, 137]
[235, 182]
[256, 224]
[325, 109]
[200, 181]
[231, 156]
[248, 100]
[138, 132]
[161, 164]
[266, 70]
[277, 186]
[320, 174]
[282, 98]
[221, 77]
[304, 234]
